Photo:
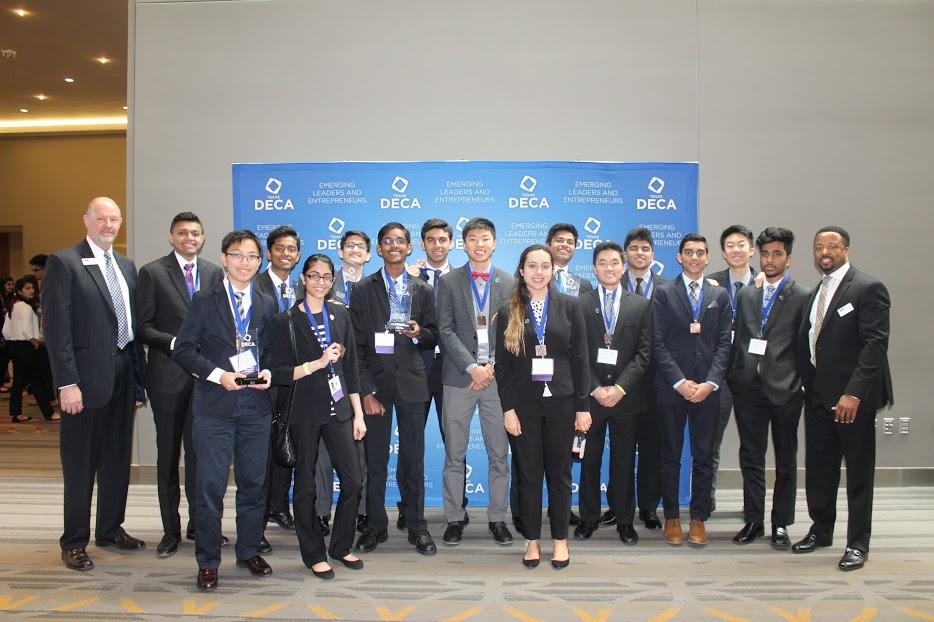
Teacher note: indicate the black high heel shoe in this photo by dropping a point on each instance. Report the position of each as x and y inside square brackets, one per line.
[530, 563]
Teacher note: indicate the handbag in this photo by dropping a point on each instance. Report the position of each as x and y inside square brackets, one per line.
[283, 451]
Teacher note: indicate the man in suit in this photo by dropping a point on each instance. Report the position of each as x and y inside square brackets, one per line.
[619, 345]
[766, 384]
[467, 302]
[691, 320]
[736, 246]
[562, 241]
[223, 341]
[393, 378]
[166, 287]
[844, 341]
[641, 280]
[89, 318]
[283, 251]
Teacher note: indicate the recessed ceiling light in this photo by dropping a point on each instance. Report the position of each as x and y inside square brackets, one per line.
[24, 109]
[42, 97]
[125, 108]
[21, 12]
[69, 80]
[103, 60]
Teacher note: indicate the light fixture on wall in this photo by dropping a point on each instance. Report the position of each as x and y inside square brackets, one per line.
[69, 80]
[21, 12]
[41, 97]
[72, 124]
[103, 60]
[24, 109]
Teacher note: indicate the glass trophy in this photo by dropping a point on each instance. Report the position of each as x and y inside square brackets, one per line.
[572, 285]
[247, 360]
[400, 311]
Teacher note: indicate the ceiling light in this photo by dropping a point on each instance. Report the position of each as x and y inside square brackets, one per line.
[69, 80]
[21, 12]
[76, 122]
[42, 97]
[103, 60]
[24, 109]
[125, 108]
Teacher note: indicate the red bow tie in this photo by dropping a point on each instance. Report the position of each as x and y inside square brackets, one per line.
[480, 275]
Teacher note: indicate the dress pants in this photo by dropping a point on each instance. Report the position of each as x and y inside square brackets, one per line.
[544, 448]
[410, 466]
[754, 413]
[622, 429]
[172, 416]
[97, 443]
[648, 485]
[458, 413]
[338, 437]
[324, 480]
[726, 407]
[28, 371]
[278, 479]
[826, 442]
[243, 437]
[701, 420]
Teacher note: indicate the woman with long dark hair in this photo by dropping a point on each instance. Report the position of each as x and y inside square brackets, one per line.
[23, 337]
[543, 380]
[325, 405]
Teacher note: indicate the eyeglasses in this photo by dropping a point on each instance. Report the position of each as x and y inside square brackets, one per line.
[240, 257]
[355, 246]
[393, 241]
[314, 277]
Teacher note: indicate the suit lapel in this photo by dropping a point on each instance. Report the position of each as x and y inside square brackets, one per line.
[837, 297]
[222, 305]
[97, 275]
[178, 278]
[623, 310]
[304, 328]
[776, 306]
[681, 289]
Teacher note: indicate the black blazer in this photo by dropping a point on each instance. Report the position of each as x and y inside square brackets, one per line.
[680, 354]
[779, 367]
[632, 339]
[403, 372]
[162, 300]
[207, 339]
[566, 342]
[312, 398]
[80, 324]
[851, 349]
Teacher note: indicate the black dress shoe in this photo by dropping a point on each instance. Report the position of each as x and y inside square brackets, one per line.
[627, 534]
[77, 559]
[530, 562]
[168, 546]
[190, 535]
[809, 544]
[608, 518]
[353, 564]
[369, 539]
[500, 533]
[584, 531]
[559, 564]
[257, 565]
[264, 546]
[225, 541]
[123, 541]
[853, 559]
[324, 525]
[453, 534]
[650, 519]
[749, 533]
[283, 519]
[323, 574]
[575, 519]
[207, 579]
[780, 538]
[423, 542]
[362, 523]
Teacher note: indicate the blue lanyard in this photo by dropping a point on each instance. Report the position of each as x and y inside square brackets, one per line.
[279, 296]
[695, 310]
[768, 308]
[327, 328]
[347, 288]
[481, 302]
[391, 287]
[540, 326]
[244, 324]
[196, 280]
[731, 293]
[646, 286]
[609, 318]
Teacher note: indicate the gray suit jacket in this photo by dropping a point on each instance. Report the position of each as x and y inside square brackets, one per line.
[456, 324]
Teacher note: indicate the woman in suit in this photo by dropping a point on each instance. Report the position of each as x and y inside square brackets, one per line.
[325, 405]
[542, 376]
[23, 337]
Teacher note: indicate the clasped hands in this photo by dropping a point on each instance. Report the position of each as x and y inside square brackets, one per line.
[695, 392]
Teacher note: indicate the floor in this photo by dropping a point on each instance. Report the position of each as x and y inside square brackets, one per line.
[475, 581]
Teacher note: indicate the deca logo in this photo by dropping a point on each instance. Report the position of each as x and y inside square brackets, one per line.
[472, 488]
[656, 185]
[336, 226]
[528, 183]
[656, 201]
[399, 200]
[592, 226]
[460, 225]
[272, 201]
[528, 199]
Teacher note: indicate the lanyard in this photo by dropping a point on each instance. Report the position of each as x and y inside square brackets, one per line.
[695, 309]
[540, 325]
[391, 287]
[731, 293]
[242, 324]
[327, 329]
[481, 302]
[768, 308]
[347, 289]
[196, 280]
[646, 285]
[279, 297]
[609, 318]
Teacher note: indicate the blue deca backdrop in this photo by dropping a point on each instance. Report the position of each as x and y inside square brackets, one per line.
[603, 200]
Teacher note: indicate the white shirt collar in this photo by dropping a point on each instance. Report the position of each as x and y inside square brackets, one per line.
[276, 281]
[182, 262]
[97, 250]
[839, 273]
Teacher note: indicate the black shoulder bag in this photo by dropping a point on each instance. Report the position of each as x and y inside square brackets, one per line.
[283, 451]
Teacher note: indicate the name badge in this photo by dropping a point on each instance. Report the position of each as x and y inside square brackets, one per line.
[90, 261]
[337, 392]
[543, 369]
[385, 343]
[483, 337]
[541, 350]
[757, 346]
[695, 328]
[847, 308]
[607, 356]
[244, 362]
[481, 320]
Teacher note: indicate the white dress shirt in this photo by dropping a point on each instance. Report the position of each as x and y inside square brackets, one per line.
[124, 288]
[22, 324]
[836, 277]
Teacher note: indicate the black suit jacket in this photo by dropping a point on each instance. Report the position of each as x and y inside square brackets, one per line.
[723, 279]
[263, 283]
[852, 349]
[632, 339]
[162, 301]
[403, 372]
[779, 368]
[312, 398]
[207, 339]
[566, 342]
[678, 352]
[80, 324]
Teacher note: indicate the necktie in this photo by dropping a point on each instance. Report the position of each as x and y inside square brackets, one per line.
[607, 303]
[821, 303]
[239, 297]
[480, 275]
[738, 285]
[560, 279]
[693, 287]
[769, 291]
[639, 290]
[283, 301]
[116, 297]
[434, 281]
[348, 289]
[190, 279]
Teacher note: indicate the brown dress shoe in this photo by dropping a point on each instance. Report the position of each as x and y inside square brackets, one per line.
[257, 566]
[673, 533]
[698, 534]
[207, 579]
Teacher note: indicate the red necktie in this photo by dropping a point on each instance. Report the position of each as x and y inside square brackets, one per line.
[480, 275]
